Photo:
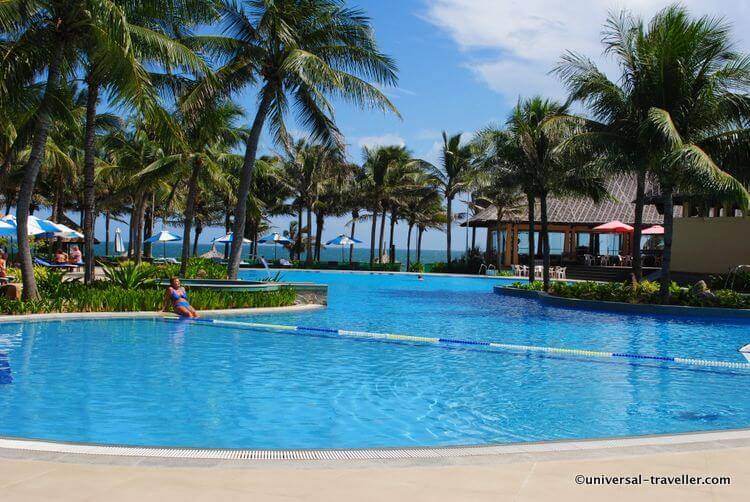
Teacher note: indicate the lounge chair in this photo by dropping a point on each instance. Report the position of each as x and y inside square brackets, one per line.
[59, 266]
[285, 263]
[6, 280]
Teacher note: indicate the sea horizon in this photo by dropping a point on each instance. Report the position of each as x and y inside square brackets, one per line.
[330, 253]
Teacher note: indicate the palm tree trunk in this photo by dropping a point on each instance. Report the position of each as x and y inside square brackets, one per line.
[420, 231]
[532, 251]
[408, 246]
[638, 224]
[89, 176]
[319, 221]
[449, 214]
[382, 236]
[31, 170]
[355, 215]
[246, 177]
[198, 231]
[372, 236]
[499, 238]
[298, 244]
[666, 258]
[545, 239]
[148, 227]
[107, 218]
[308, 247]
[131, 230]
[391, 248]
[138, 247]
[190, 212]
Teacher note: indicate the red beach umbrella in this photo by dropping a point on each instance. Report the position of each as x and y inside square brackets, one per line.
[614, 227]
[655, 230]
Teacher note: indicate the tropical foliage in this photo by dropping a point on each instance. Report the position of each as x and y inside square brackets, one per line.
[131, 110]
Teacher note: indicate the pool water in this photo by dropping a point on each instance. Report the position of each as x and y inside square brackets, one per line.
[166, 383]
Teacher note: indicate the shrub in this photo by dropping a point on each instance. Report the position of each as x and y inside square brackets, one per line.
[105, 297]
[129, 275]
[197, 268]
[416, 267]
[645, 293]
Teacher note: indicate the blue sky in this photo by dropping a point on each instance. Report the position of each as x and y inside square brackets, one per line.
[464, 63]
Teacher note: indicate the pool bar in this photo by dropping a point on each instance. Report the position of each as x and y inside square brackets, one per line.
[454, 342]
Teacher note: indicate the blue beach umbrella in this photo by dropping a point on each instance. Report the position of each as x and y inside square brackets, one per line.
[276, 238]
[163, 237]
[342, 240]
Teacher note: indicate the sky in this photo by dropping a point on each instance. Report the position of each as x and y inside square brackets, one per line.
[463, 64]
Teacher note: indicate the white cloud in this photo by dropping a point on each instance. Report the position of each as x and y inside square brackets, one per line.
[511, 45]
[388, 139]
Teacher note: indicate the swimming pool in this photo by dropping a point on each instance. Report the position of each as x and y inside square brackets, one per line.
[161, 383]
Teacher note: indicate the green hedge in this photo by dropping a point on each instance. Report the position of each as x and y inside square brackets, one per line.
[645, 292]
[102, 297]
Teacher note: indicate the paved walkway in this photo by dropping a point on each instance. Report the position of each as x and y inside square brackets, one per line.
[489, 479]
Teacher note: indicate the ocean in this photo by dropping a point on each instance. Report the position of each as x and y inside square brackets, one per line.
[330, 253]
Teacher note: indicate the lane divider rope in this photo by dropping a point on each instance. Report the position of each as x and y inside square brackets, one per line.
[455, 341]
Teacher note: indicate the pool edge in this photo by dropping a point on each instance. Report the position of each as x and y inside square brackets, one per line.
[28, 449]
[151, 314]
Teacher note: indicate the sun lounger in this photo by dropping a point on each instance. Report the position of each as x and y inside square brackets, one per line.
[285, 263]
[59, 266]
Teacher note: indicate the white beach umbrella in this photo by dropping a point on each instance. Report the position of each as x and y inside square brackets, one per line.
[119, 246]
[67, 233]
[342, 240]
[227, 239]
[35, 226]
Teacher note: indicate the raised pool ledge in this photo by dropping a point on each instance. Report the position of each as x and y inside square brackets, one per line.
[631, 308]
[60, 316]
[307, 292]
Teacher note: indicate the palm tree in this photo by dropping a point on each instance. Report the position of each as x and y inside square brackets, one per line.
[455, 174]
[616, 133]
[207, 139]
[698, 111]
[43, 36]
[431, 216]
[540, 127]
[354, 195]
[298, 52]
[129, 35]
[681, 113]
[500, 154]
[384, 166]
[419, 206]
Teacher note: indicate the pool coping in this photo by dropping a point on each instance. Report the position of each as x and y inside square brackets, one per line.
[72, 452]
[58, 316]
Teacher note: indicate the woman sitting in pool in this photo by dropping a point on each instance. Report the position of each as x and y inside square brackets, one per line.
[177, 297]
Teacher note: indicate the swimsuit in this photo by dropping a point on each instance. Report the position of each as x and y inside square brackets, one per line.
[178, 297]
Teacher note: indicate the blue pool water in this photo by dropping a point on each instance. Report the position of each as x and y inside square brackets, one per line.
[155, 382]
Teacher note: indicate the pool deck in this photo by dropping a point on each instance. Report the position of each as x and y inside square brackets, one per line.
[549, 473]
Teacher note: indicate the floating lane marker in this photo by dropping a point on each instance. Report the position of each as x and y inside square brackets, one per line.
[455, 341]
